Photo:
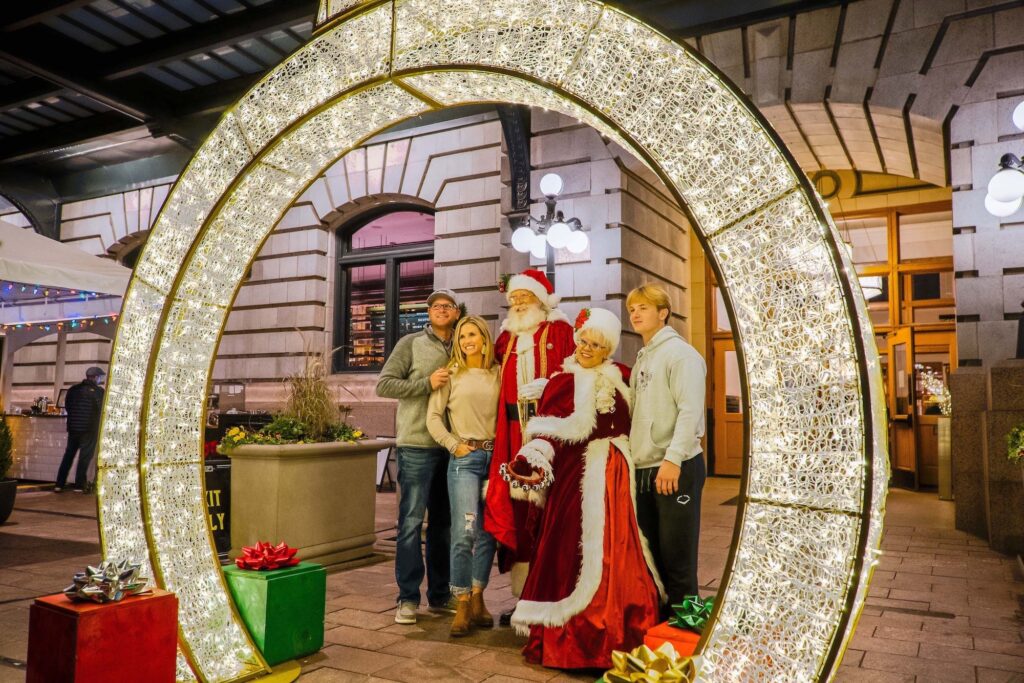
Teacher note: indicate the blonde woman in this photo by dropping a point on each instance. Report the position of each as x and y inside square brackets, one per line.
[461, 416]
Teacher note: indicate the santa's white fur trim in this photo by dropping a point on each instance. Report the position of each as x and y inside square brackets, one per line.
[520, 282]
[580, 424]
[538, 453]
[622, 443]
[555, 313]
[529, 612]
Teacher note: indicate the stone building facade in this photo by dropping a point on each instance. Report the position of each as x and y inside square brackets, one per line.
[458, 171]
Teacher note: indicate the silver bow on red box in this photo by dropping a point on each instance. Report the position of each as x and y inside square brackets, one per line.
[109, 582]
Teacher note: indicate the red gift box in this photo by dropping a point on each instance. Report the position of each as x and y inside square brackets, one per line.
[683, 640]
[134, 639]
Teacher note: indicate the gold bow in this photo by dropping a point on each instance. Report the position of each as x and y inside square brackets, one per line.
[644, 665]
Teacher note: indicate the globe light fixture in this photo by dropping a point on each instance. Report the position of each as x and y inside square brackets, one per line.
[522, 239]
[1001, 209]
[541, 236]
[1007, 184]
[1018, 115]
[558, 235]
[551, 184]
[1006, 188]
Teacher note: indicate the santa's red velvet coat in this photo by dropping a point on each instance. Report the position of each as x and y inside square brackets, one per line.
[514, 523]
[592, 586]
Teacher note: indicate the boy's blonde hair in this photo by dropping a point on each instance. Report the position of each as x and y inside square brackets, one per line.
[652, 294]
[458, 360]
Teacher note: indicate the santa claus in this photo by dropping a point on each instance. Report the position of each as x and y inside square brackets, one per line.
[536, 337]
[592, 586]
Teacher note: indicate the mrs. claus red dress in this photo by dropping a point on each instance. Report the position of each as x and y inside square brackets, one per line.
[592, 586]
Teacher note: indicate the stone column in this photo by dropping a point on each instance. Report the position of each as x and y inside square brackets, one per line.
[1004, 489]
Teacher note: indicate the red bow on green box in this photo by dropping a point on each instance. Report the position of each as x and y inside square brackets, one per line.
[264, 556]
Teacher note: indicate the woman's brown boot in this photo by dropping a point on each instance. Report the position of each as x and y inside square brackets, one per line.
[462, 620]
[478, 611]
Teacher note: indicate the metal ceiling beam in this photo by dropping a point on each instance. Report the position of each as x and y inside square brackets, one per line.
[27, 145]
[17, 53]
[18, 15]
[207, 37]
[26, 92]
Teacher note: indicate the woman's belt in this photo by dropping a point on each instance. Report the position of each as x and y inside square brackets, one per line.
[476, 445]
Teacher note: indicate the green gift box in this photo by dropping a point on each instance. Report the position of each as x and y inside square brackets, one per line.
[283, 608]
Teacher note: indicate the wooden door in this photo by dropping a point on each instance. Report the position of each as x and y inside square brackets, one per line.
[728, 409]
[902, 438]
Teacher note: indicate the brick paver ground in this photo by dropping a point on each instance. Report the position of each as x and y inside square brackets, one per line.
[943, 607]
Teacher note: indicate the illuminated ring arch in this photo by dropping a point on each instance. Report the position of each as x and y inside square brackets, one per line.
[815, 470]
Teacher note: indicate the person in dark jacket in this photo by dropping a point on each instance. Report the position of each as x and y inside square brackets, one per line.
[83, 404]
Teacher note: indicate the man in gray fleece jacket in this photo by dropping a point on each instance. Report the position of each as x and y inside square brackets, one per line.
[418, 365]
[668, 383]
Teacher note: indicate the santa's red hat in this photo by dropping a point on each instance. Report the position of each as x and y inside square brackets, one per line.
[537, 283]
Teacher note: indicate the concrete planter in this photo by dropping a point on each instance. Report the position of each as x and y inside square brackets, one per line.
[316, 497]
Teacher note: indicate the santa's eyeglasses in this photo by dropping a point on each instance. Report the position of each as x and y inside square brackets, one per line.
[522, 299]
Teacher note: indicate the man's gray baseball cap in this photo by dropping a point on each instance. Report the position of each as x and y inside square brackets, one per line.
[443, 293]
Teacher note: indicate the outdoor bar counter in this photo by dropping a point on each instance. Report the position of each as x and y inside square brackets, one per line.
[39, 442]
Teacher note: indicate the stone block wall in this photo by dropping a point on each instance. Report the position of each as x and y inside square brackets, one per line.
[988, 251]
[287, 306]
[637, 232]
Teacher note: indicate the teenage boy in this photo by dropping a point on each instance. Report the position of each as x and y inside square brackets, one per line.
[417, 365]
[668, 383]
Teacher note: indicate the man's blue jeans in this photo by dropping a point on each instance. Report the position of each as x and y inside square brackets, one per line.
[472, 547]
[422, 479]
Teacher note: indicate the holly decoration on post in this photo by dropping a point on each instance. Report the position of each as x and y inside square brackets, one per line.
[503, 282]
[581, 319]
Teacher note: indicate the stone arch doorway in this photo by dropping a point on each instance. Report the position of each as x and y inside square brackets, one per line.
[812, 497]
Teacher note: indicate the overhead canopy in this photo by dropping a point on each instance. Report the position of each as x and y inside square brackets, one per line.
[26, 256]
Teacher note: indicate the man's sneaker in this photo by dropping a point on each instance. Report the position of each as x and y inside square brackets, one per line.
[406, 613]
[450, 607]
[58, 489]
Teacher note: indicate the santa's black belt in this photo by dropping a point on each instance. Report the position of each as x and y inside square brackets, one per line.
[512, 411]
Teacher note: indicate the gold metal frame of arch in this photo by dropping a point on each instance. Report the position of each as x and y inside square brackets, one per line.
[812, 497]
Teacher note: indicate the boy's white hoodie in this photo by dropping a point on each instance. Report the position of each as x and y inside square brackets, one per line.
[668, 384]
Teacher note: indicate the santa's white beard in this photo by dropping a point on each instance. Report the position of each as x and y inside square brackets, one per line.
[528, 321]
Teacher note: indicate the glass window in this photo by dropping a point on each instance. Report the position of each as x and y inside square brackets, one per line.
[386, 273]
[876, 291]
[415, 283]
[733, 404]
[399, 227]
[928, 286]
[899, 357]
[931, 383]
[366, 323]
[926, 235]
[867, 238]
[721, 314]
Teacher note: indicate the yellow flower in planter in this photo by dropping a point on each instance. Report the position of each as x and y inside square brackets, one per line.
[357, 434]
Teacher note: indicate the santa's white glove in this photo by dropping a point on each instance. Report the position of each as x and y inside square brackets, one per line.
[531, 391]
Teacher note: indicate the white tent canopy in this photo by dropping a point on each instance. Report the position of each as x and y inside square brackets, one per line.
[28, 257]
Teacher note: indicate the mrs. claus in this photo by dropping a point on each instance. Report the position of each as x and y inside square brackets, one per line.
[592, 585]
